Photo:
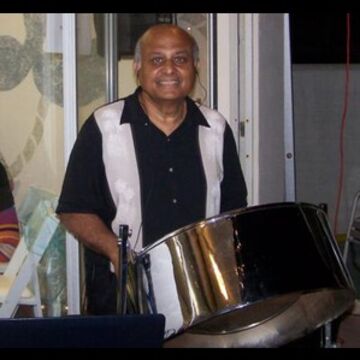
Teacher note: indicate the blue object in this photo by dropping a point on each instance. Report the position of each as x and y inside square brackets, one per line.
[77, 331]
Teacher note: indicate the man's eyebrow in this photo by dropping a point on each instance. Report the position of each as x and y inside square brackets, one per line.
[180, 52]
[155, 53]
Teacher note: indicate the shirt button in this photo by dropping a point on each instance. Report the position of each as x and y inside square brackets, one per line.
[171, 169]
[146, 124]
[168, 139]
[174, 201]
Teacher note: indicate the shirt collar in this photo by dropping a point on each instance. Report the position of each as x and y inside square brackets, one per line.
[133, 112]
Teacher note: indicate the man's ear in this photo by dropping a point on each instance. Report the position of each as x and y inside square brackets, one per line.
[196, 65]
[136, 67]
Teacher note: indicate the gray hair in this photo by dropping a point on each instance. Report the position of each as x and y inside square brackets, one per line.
[195, 50]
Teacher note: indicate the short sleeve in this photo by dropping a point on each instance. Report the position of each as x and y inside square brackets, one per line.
[85, 188]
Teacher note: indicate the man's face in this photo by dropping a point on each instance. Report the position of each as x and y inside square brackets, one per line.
[167, 70]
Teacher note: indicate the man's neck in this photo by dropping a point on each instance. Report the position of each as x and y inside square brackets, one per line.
[165, 115]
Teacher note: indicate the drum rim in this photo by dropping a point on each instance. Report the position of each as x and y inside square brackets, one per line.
[224, 216]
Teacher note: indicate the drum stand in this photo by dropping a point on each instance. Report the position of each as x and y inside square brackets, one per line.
[353, 232]
[352, 236]
[327, 336]
[122, 269]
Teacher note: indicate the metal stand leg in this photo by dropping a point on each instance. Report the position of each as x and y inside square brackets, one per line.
[349, 236]
[328, 341]
[122, 270]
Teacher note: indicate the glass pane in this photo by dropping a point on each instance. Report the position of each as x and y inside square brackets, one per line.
[197, 26]
[91, 87]
[31, 119]
[91, 70]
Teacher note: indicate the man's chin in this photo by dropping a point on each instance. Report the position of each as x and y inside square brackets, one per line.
[168, 95]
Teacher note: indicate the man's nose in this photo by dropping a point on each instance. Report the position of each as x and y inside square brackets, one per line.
[169, 66]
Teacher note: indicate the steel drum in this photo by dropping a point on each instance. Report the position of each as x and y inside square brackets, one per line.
[260, 276]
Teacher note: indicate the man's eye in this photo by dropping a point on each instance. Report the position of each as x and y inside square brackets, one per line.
[157, 60]
[180, 60]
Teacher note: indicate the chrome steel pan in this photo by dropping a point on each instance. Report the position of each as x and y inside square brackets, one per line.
[255, 277]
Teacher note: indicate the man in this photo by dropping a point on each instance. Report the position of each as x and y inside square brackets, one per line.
[154, 161]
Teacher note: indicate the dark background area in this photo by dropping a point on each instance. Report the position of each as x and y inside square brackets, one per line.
[320, 38]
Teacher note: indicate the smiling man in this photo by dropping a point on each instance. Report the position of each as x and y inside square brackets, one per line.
[165, 64]
[155, 161]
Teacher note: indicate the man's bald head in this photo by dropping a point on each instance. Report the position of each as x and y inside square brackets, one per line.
[169, 30]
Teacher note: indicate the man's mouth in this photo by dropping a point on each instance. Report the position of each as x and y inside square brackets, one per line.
[168, 82]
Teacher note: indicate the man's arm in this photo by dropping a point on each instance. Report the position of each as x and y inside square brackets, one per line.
[92, 232]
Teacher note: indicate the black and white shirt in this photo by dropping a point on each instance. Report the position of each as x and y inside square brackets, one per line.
[127, 171]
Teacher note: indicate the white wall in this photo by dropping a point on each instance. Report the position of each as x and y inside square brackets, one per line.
[318, 108]
[270, 112]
